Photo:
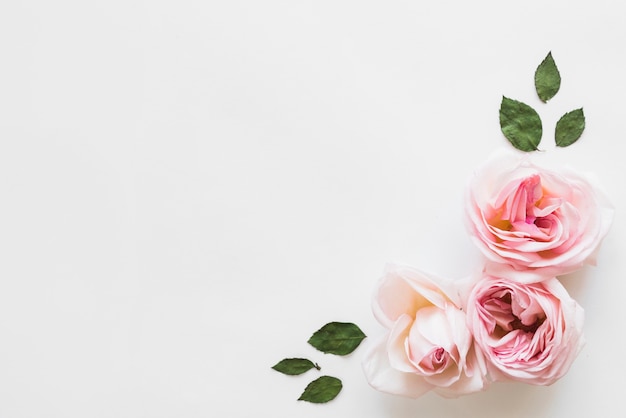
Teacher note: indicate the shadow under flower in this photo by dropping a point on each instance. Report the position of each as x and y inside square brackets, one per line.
[509, 400]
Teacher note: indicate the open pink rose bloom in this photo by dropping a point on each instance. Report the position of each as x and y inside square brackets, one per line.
[532, 223]
[428, 346]
[527, 332]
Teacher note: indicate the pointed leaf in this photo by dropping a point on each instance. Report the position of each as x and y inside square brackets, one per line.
[569, 128]
[322, 390]
[520, 124]
[339, 338]
[294, 366]
[547, 79]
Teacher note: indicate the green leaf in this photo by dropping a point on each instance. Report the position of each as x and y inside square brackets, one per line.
[547, 79]
[295, 366]
[520, 124]
[569, 128]
[339, 338]
[321, 390]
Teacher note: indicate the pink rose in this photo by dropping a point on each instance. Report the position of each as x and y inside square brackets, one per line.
[533, 223]
[527, 332]
[428, 346]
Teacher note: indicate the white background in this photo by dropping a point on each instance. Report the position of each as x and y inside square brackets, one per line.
[189, 189]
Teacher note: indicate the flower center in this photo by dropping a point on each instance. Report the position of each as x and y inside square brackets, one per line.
[439, 354]
[532, 328]
[436, 361]
[515, 322]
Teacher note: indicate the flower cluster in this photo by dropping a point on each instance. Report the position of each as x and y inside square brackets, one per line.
[514, 320]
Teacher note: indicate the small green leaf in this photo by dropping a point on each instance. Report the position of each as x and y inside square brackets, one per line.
[339, 338]
[547, 79]
[569, 128]
[295, 366]
[520, 124]
[321, 390]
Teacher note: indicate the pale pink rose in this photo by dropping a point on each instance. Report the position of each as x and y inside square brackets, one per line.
[533, 223]
[428, 346]
[528, 332]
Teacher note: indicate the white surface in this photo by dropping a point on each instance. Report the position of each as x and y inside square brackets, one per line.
[189, 189]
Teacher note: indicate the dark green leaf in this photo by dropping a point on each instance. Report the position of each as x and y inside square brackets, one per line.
[569, 128]
[294, 366]
[520, 124]
[339, 338]
[321, 390]
[547, 79]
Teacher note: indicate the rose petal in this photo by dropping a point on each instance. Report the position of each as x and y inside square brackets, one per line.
[381, 376]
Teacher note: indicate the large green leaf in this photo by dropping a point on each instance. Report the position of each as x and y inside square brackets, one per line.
[339, 338]
[547, 79]
[520, 124]
[322, 390]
